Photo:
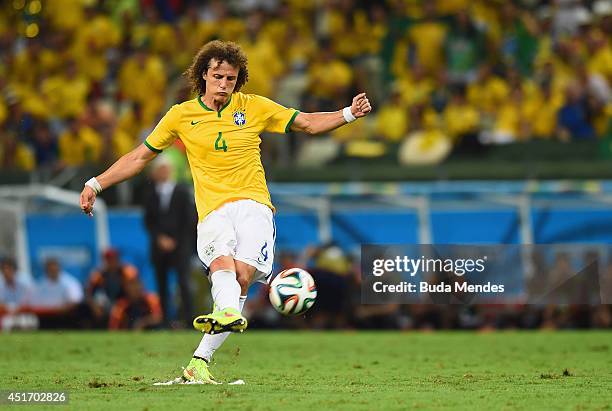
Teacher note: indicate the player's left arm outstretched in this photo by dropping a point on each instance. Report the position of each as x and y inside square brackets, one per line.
[316, 123]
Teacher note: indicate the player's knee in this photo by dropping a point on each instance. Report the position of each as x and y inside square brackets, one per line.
[223, 262]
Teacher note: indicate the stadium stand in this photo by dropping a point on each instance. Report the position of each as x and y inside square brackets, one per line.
[445, 76]
[485, 81]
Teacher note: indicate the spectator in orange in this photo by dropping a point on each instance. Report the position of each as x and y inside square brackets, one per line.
[105, 286]
[138, 310]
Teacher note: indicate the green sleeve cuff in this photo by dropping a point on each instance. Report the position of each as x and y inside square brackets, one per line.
[291, 120]
[150, 147]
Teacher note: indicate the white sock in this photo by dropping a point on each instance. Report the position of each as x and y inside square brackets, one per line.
[210, 343]
[225, 289]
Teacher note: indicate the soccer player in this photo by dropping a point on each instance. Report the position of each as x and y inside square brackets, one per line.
[220, 130]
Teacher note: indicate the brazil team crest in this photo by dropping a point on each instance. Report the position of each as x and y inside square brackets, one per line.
[239, 117]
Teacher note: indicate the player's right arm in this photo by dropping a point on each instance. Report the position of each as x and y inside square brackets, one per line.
[123, 169]
[135, 161]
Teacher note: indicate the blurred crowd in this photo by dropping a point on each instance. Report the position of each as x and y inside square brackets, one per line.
[83, 81]
[114, 297]
[340, 297]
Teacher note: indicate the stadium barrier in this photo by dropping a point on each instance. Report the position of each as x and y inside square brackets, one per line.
[470, 212]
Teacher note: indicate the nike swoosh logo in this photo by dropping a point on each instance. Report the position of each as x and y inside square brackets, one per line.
[193, 123]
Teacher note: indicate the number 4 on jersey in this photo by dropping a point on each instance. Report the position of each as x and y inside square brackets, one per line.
[220, 143]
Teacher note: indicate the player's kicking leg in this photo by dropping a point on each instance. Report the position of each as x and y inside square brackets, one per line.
[217, 327]
[221, 322]
[226, 290]
[251, 247]
[197, 370]
[228, 319]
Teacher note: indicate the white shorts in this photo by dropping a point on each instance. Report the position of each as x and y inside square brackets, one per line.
[242, 229]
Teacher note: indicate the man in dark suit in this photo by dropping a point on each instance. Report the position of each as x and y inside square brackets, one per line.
[170, 217]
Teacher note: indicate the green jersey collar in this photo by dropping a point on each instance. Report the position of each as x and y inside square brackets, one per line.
[205, 107]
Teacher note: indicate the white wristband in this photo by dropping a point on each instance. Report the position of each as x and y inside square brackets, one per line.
[348, 115]
[95, 186]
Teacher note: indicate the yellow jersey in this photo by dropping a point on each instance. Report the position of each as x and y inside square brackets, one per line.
[223, 147]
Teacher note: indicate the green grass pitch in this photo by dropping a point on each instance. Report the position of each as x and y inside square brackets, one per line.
[319, 370]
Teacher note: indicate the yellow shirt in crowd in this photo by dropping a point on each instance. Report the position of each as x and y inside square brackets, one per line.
[392, 122]
[145, 84]
[65, 96]
[460, 119]
[327, 78]
[22, 158]
[429, 38]
[79, 148]
[489, 94]
[64, 14]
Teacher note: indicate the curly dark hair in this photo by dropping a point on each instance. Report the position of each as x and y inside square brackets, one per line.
[219, 50]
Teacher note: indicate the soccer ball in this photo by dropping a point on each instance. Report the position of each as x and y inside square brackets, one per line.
[293, 291]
